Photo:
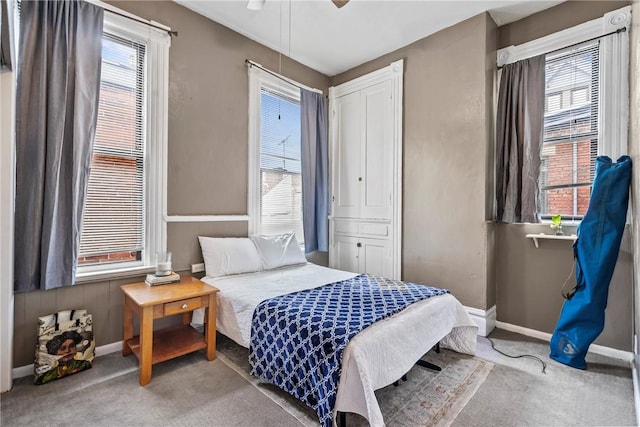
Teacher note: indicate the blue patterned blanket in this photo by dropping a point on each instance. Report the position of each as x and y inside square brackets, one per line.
[297, 340]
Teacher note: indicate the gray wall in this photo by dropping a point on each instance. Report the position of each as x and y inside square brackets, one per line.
[207, 170]
[448, 86]
[529, 279]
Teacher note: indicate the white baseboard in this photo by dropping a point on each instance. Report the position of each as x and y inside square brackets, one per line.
[25, 371]
[485, 319]
[22, 371]
[114, 347]
[627, 356]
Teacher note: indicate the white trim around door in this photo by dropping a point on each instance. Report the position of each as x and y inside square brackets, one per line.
[7, 180]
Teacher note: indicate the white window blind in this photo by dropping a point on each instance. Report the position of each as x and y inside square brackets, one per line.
[114, 219]
[570, 144]
[280, 165]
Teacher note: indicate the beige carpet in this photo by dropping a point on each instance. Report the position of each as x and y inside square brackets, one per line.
[427, 398]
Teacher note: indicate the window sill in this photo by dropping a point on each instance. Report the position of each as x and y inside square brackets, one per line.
[543, 236]
[97, 276]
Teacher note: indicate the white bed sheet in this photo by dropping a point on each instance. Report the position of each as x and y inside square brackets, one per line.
[374, 358]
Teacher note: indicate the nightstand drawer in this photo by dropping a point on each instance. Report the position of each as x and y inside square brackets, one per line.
[182, 306]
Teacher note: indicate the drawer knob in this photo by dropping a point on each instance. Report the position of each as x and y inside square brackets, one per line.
[184, 305]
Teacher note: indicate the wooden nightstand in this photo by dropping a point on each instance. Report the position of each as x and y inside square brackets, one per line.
[153, 302]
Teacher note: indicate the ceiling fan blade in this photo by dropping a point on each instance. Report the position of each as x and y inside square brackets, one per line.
[255, 4]
[340, 3]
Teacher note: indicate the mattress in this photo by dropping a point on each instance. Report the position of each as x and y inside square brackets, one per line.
[377, 356]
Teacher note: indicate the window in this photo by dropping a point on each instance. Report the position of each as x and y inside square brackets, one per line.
[275, 179]
[113, 219]
[586, 109]
[122, 225]
[570, 143]
[280, 165]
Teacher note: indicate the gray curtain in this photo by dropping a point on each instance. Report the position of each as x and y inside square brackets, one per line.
[5, 50]
[58, 84]
[315, 181]
[519, 131]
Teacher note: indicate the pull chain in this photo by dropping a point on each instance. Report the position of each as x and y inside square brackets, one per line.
[280, 59]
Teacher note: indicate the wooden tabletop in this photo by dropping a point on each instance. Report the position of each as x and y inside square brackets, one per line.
[188, 287]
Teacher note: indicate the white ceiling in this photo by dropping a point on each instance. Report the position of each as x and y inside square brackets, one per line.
[332, 40]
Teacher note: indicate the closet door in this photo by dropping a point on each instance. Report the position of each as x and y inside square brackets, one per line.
[346, 175]
[377, 152]
[345, 253]
[375, 257]
[366, 173]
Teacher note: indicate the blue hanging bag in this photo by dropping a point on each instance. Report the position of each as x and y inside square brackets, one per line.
[596, 252]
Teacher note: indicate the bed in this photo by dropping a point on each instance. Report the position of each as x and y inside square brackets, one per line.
[374, 358]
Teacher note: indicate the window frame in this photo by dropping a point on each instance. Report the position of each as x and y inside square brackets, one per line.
[613, 102]
[155, 127]
[259, 79]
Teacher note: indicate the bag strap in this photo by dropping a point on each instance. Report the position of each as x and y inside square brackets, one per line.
[73, 312]
[572, 292]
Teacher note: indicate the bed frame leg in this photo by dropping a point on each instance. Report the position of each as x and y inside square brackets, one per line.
[420, 362]
[428, 365]
[342, 419]
[397, 383]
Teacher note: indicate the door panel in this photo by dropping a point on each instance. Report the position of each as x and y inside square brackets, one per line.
[375, 257]
[377, 151]
[346, 156]
[345, 256]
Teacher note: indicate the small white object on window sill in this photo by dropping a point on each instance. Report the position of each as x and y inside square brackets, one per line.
[535, 237]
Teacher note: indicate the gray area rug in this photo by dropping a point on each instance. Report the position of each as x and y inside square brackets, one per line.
[427, 398]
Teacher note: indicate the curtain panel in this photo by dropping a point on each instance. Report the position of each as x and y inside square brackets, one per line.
[58, 85]
[315, 181]
[5, 40]
[519, 132]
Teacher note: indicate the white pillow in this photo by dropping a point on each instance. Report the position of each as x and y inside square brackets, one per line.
[229, 255]
[279, 250]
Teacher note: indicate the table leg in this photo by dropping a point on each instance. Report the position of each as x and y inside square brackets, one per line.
[186, 317]
[210, 328]
[146, 344]
[127, 325]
